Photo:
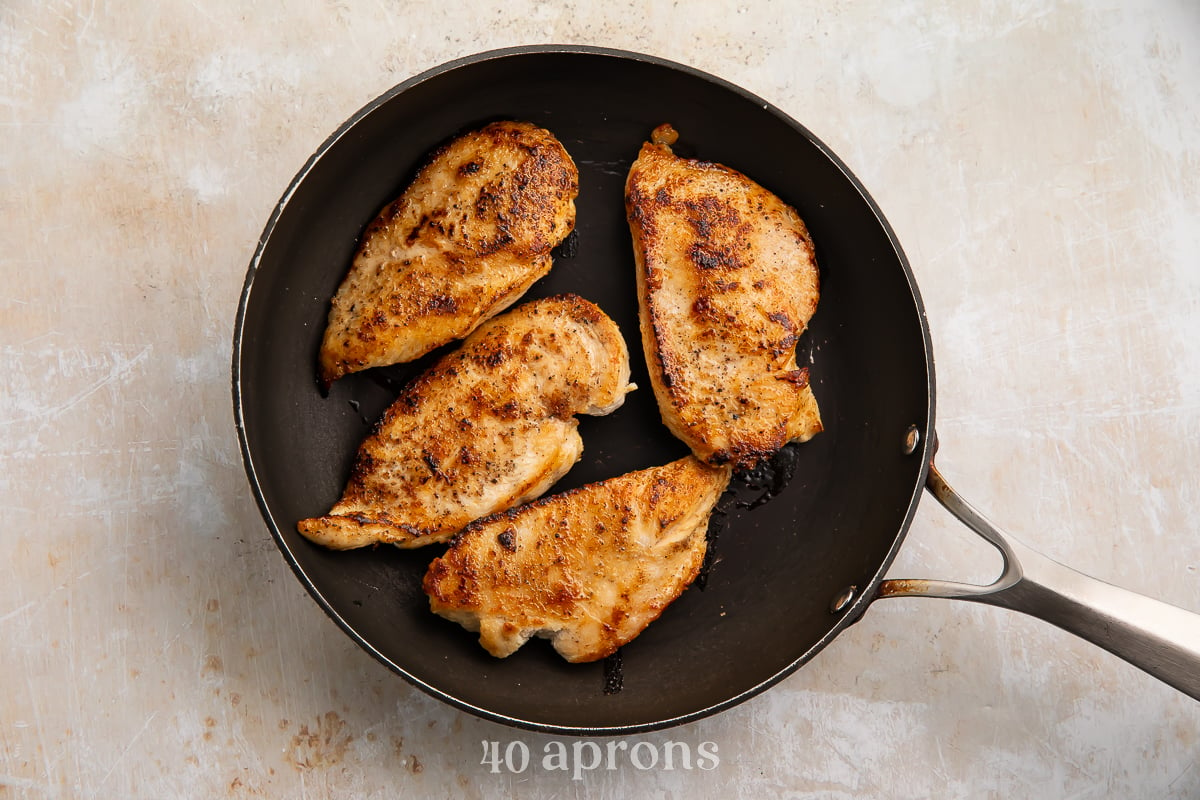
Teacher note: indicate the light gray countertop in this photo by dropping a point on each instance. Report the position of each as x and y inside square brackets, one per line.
[1040, 163]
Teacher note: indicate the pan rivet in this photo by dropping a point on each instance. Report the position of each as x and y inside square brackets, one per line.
[912, 437]
[842, 599]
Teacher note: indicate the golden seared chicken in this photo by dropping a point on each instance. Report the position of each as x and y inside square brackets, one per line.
[589, 569]
[489, 426]
[727, 282]
[471, 234]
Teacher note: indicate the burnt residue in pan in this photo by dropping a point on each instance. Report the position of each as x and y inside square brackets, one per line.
[748, 489]
[716, 523]
[569, 246]
[614, 674]
[768, 478]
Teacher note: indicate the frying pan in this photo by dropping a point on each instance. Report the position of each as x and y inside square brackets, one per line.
[800, 554]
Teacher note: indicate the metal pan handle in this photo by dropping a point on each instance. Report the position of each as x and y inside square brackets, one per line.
[1161, 639]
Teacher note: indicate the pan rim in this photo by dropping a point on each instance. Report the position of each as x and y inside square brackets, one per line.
[863, 597]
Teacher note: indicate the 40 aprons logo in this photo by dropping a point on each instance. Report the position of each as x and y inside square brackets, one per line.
[582, 757]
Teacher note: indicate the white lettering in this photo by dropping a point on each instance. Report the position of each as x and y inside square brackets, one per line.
[587, 756]
[557, 759]
[491, 756]
[706, 756]
[577, 753]
[523, 751]
[637, 761]
[669, 762]
[613, 747]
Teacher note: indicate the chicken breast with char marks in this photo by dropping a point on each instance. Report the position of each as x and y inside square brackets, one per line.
[489, 426]
[589, 569]
[727, 282]
[464, 241]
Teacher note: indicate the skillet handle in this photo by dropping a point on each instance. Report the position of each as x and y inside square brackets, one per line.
[1159, 638]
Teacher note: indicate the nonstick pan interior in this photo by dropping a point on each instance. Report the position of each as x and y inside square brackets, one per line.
[766, 606]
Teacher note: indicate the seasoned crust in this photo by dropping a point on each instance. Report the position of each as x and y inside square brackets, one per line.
[489, 426]
[727, 282]
[465, 240]
[588, 569]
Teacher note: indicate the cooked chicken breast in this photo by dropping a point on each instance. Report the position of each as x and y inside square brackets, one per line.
[491, 425]
[589, 569]
[727, 282]
[471, 234]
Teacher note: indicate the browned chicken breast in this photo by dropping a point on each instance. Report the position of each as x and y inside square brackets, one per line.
[727, 282]
[589, 569]
[470, 235]
[489, 426]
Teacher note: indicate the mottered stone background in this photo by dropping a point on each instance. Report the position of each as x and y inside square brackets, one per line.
[1040, 162]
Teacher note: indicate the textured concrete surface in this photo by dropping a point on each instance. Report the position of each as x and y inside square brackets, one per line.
[1040, 162]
